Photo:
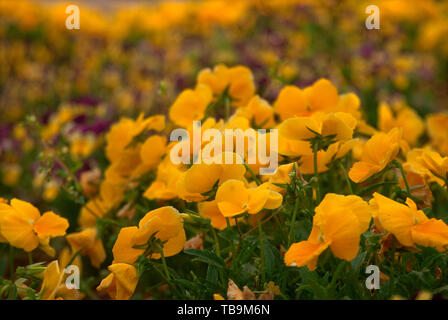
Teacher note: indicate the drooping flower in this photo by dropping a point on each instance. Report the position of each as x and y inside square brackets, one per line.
[22, 225]
[94, 208]
[164, 224]
[54, 284]
[338, 223]
[89, 244]
[378, 151]
[164, 187]
[428, 164]
[210, 210]
[259, 112]
[121, 283]
[52, 281]
[408, 224]
[121, 134]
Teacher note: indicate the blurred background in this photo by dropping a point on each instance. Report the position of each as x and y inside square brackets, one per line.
[63, 88]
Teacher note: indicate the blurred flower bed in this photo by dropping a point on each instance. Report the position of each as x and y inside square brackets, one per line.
[84, 126]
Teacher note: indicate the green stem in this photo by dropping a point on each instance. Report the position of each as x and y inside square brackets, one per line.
[227, 107]
[349, 184]
[11, 263]
[215, 238]
[260, 236]
[30, 258]
[392, 274]
[231, 241]
[165, 267]
[293, 221]
[74, 256]
[316, 175]
[252, 174]
[403, 174]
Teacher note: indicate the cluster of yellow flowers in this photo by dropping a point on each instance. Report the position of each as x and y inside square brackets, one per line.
[318, 128]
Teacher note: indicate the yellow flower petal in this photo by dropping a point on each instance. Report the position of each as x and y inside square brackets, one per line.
[50, 224]
[123, 250]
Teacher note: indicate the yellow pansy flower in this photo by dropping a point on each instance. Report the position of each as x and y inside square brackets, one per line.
[325, 157]
[378, 151]
[322, 95]
[294, 132]
[259, 112]
[95, 208]
[121, 134]
[338, 223]
[210, 210]
[164, 223]
[24, 227]
[233, 198]
[52, 281]
[405, 118]
[238, 79]
[121, 283]
[408, 224]
[427, 163]
[54, 286]
[201, 177]
[87, 241]
[437, 124]
[291, 102]
[2, 201]
[164, 187]
[190, 105]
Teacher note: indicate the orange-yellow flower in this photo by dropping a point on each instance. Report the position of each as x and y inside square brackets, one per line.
[408, 224]
[282, 176]
[23, 226]
[52, 281]
[238, 79]
[291, 102]
[121, 283]
[210, 210]
[322, 95]
[190, 105]
[233, 198]
[89, 244]
[121, 134]
[325, 157]
[164, 224]
[259, 112]
[378, 151]
[338, 223]
[437, 124]
[294, 132]
[405, 118]
[2, 201]
[427, 163]
[95, 208]
[54, 286]
[201, 177]
[164, 186]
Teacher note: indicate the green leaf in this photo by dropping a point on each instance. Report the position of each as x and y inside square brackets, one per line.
[208, 257]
